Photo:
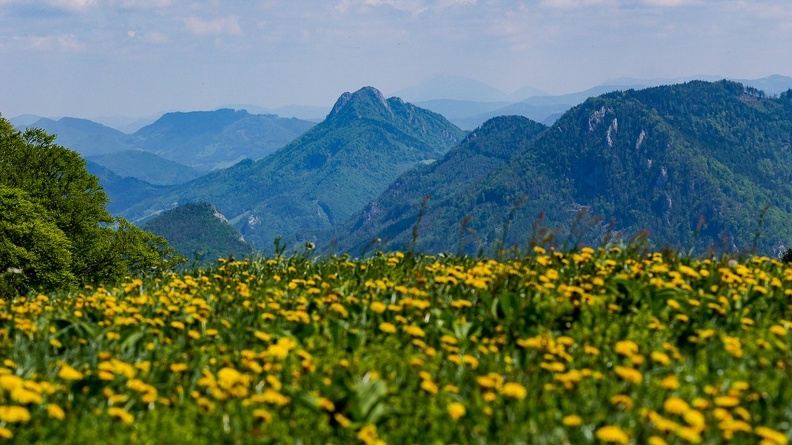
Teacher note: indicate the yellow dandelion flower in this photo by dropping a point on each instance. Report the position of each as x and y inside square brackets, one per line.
[626, 347]
[342, 420]
[414, 330]
[670, 382]
[24, 396]
[514, 390]
[695, 419]
[178, 367]
[378, 307]
[624, 400]
[14, 414]
[688, 434]
[656, 440]
[121, 414]
[612, 434]
[572, 420]
[778, 330]
[675, 405]
[456, 410]
[726, 401]
[387, 328]
[55, 411]
[660, 357]
[771, 435]
[5, 433]
[68, 373]
[429, 386]
[263, 415]
[632, 375]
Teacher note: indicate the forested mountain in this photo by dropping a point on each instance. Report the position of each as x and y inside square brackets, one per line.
[658, 159]
[217, 139]
[325, 175]
[461, 171]
[200, 233]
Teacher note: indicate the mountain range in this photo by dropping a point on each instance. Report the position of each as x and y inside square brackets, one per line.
[178, 146]
[324, 176]
[699, 165]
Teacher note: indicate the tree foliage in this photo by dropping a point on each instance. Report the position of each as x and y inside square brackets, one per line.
[54, 225]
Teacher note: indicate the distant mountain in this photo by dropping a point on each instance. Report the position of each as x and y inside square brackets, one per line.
[123, 192]
[462, 113]
[125, 124]
[146, 166]
[454, 88]
[325, 175]
[200, 233]
[304, 112]
[662, 159]
[461, 171]
[208, 140]
[24, 120]
[84, 136]
[775, 84]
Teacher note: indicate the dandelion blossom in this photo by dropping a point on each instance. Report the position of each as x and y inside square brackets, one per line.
[612, 434]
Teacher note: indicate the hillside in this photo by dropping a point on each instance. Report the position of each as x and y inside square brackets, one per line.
[656, 159]
[200, 233]
[325, 175]
[391, 216]
[208, 140]
[122, 192]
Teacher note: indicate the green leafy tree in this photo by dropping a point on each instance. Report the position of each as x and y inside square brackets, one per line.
[33, 250]
[66, 197]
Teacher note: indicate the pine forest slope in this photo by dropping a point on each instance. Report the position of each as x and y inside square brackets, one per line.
[200, 233]
[325, 175]
[658, 159]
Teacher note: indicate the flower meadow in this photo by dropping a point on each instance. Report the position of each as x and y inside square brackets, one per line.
[593, 346]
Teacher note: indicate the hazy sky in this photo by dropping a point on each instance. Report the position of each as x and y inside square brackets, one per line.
[141, 57]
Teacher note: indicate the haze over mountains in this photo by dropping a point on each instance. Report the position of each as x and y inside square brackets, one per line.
[177, 147]
[658, 158]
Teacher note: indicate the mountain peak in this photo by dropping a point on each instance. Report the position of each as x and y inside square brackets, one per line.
[361, 102]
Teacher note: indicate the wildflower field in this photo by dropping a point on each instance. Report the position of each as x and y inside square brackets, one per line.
[596, 346]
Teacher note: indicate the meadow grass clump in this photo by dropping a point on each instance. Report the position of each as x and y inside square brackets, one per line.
[592, 346]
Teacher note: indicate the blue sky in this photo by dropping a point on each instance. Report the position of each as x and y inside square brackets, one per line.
[142, 57]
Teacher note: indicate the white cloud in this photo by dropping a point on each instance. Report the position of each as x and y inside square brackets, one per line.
[145, 4]
[221, 25]
[66, 42]
[148, 37]
[670, 3]
[75, 5]
[568, 4]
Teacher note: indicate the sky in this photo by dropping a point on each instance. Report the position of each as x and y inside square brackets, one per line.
[88, 58]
